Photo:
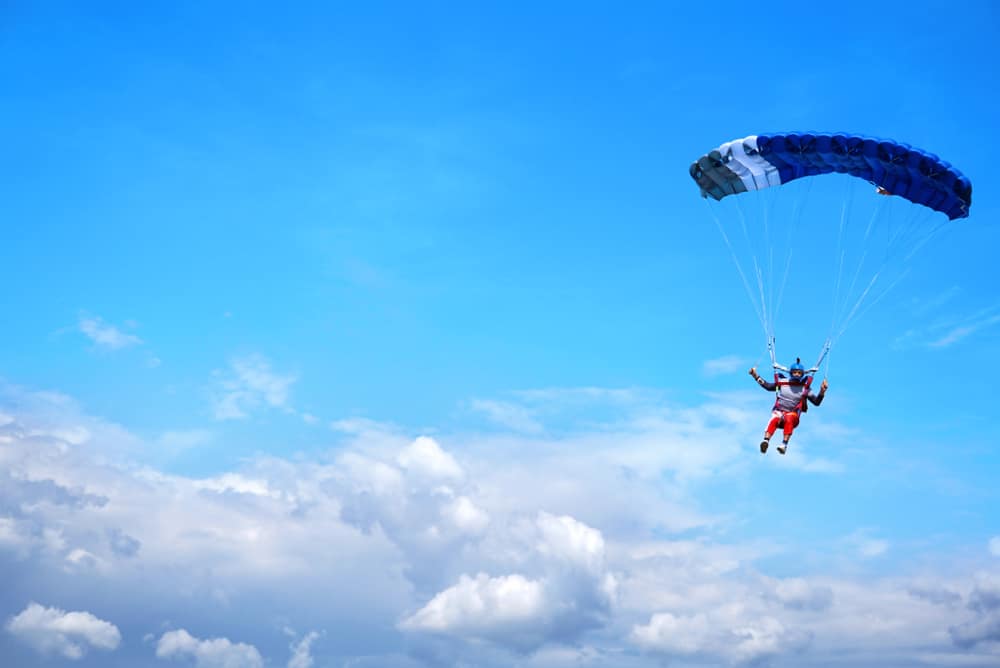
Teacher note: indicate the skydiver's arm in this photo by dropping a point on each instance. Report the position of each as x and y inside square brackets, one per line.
[766, 384]
[817, 399]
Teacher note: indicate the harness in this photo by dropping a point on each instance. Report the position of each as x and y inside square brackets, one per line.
[803, 401]
[806, 381]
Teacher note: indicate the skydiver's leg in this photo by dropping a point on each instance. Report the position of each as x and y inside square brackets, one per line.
[791, 421]
[776, 421]
[769, 431]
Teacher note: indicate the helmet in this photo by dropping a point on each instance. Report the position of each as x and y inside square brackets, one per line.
[797, 371]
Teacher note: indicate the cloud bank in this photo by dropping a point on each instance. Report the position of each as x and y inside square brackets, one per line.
[406, 549]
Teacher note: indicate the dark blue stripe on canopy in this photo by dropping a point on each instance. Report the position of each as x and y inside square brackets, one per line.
[901, 169]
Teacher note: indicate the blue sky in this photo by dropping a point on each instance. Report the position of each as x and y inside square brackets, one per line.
[397, 336]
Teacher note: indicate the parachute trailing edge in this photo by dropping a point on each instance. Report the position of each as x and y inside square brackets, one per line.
[761, 161]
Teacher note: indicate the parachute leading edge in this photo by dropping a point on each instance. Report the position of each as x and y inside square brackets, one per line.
[761, 161]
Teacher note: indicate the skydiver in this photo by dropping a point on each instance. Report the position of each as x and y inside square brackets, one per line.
[790, 401]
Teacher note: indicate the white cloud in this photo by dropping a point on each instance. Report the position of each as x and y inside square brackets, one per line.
[234, 482]
[995, 546]
[213, 653]
[425, 457]
[105, 335]
[69, 634]
[724, 365]
[465, 515]
[564, 590]
[568, 539]
[481, 605]
[371, 476]
[249, 384]
[727, 633]
[692, 586]
[673, 634]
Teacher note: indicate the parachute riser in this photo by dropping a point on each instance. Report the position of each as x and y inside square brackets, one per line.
[809, 372]
[822, 356]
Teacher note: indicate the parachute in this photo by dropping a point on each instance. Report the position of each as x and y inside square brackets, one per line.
[765, 163]
[762, 161]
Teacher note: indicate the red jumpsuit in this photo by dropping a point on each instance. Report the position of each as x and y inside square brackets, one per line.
[790, 401]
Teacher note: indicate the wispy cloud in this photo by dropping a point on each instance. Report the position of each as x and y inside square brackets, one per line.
[507, 414]
[934, 302]
[950, 330]
[862, 543]
[561, 396]
[980, 320]
[302, 650]
[106, 335]
[873, 547]
[173, 442]
[723, 365]
[249, 383]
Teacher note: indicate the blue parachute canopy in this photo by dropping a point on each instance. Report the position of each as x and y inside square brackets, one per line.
[762, 161]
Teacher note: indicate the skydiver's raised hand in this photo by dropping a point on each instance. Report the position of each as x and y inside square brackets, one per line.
[753, 372]
[823, 386]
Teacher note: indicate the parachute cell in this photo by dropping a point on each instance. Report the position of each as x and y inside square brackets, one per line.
[761, 161]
